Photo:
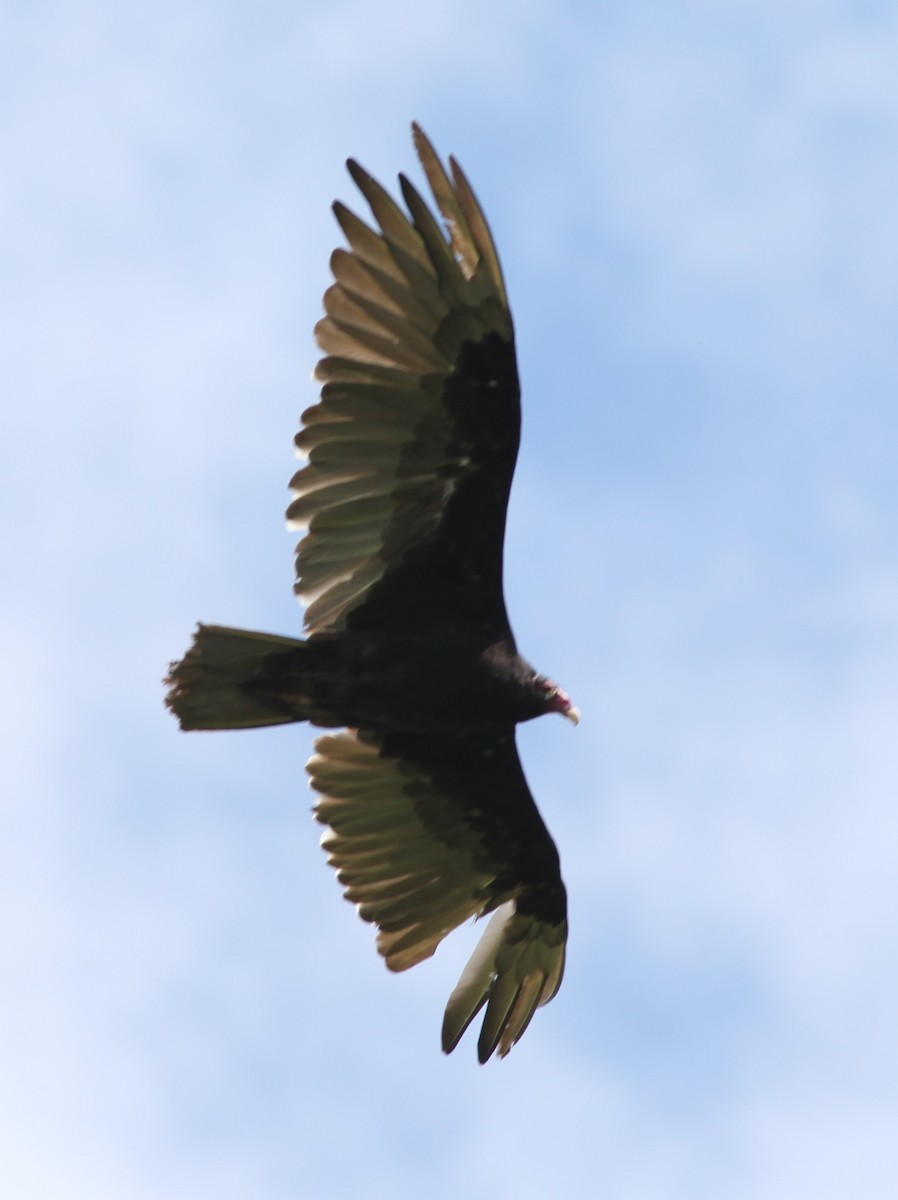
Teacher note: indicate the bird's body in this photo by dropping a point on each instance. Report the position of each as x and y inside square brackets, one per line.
[411, 452]
[403, 683]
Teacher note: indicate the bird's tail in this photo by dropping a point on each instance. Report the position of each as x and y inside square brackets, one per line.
[236, 679]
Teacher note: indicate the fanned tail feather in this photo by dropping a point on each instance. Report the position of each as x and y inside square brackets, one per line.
[212, 687]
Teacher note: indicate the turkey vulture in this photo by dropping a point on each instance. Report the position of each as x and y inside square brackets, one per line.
[410, 454]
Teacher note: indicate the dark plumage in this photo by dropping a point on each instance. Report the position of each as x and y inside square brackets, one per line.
[411, 451]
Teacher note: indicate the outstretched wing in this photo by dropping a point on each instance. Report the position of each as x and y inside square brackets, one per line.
[412, 446]
[426, 832]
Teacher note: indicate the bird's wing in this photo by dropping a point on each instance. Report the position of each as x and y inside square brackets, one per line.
[412, 447]
[426, 832]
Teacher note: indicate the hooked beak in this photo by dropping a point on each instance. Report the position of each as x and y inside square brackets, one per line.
[559, 701]
[564, 704]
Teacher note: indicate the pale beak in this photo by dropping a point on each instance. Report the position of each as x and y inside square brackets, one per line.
[573, 714]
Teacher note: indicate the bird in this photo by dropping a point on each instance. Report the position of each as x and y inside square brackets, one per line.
[409, 662]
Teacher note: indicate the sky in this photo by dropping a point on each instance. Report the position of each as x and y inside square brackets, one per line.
[697, 212]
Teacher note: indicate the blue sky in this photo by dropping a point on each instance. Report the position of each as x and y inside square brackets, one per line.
[696, 210]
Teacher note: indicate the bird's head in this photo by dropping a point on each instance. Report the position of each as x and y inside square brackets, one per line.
[557, 700]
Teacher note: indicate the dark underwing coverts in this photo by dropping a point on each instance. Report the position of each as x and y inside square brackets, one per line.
[410, 660]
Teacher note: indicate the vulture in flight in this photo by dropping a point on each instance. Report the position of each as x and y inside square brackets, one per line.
[409, 659]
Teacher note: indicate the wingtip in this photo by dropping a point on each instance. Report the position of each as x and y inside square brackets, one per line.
[424, 148]
[454, 1030]
[516, 967]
